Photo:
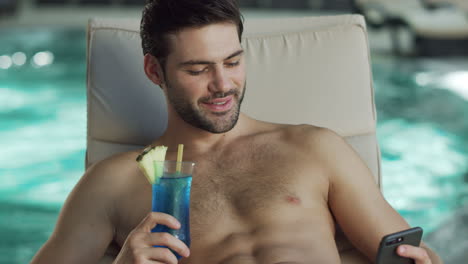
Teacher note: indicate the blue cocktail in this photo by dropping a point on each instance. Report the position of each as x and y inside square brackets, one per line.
[171, 195]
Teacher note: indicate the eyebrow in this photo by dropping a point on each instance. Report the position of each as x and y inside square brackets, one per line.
[197, 62]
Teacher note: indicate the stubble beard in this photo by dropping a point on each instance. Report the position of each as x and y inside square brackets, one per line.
[214, 122]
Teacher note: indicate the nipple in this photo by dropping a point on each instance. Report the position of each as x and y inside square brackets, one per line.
[293, 199]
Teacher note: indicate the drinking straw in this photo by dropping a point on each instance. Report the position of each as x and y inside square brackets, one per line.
[180, 153]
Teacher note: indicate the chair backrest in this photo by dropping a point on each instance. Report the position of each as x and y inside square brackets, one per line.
[314, 70]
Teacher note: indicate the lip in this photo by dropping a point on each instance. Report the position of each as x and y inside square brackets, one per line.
[220, 108]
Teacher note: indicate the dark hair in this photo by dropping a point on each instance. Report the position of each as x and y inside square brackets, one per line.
[163, 17]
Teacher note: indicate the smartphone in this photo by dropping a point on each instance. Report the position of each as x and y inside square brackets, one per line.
[387, 250]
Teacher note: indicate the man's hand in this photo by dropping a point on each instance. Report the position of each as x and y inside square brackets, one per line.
[138, 247]
[419, 254]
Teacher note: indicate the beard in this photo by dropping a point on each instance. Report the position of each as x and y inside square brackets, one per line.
[214, 122]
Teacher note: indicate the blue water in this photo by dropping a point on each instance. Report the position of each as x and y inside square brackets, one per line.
[171, 195]
[42, 135]
[422, 130]
[423, 134]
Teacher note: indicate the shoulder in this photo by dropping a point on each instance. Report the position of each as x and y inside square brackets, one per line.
[311, 138]
[330, 151]
[108, 184]
[299, 137]
[334, 153]
[111, 180]
[323, 145]
[115, 164]
[118, 171]
[303, 140]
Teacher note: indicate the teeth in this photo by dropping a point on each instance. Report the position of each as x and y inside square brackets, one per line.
[220, 103]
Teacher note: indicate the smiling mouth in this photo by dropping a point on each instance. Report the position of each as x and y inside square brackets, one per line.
[219, 104]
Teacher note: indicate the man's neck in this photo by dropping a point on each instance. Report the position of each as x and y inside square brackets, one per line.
[199, 140]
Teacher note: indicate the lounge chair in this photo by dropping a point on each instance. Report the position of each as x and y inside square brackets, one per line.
[315, 70]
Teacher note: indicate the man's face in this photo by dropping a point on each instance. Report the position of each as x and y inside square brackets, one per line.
[205, 76]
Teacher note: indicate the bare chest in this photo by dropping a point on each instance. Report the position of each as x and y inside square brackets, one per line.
[242, 193]
[245, 191]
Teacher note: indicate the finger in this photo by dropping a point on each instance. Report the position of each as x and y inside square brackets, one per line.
[154, 218]
[168, 240]
[164, 255]
[418, 254]
[158, 255]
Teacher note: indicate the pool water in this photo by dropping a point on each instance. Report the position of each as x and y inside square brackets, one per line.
[42, 135]
[423, 135]
[422, 130]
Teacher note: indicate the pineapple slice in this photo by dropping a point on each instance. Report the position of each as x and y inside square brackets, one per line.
[146, 161]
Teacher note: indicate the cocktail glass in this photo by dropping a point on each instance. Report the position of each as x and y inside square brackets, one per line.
[171, 195]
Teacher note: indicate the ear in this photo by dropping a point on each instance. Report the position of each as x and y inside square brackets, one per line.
[153, 70]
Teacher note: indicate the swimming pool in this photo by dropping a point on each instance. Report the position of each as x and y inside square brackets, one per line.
[422, 129]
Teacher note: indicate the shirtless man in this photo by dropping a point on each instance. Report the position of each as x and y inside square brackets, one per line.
[262, 193]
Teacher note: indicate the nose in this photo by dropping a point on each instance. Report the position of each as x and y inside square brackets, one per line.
[221, 81]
